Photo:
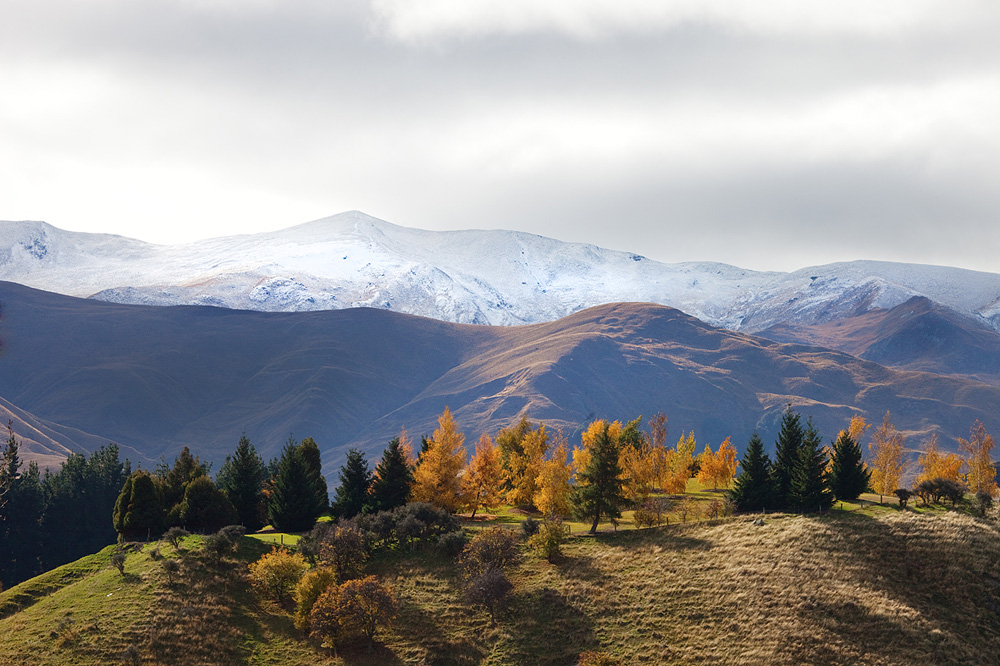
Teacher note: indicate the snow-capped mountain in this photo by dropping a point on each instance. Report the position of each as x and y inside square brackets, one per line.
[479, 277]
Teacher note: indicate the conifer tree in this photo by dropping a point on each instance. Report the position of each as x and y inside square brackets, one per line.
[293, 505]
[481, 481]
[139, 511]
[242, 479]
[599, 492]
[205, 508]
[436, 478]
[393, 478]
[848, 476]
[187, 468]
[786, 456]
[754, 487]
[314, 466]
[353, 495]
[809, 488]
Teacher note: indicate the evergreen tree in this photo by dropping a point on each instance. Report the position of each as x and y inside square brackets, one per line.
[786, 456]
[353, 495]
[754, 487]
[599, 493]
[314, 466]
[186, 469]
[809, 488]
[242, 479]
[138, 513]
[393, 479]
[848, 476]
[205, 508]
[21, 536]
[293, 505]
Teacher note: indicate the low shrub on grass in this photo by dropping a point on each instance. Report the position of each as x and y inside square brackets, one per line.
[276, 573]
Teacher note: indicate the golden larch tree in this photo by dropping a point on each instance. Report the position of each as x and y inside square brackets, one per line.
[436, 479]
[523, 467]
[676, 469]
[718, 468]
[937, 465]
[887, 457]
[552, 494]
[406, 444]
[981, 473]
[481, 481]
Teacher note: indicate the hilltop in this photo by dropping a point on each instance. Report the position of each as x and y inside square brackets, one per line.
[846, 588]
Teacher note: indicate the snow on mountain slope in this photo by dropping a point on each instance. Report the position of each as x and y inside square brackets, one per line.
[481, 277]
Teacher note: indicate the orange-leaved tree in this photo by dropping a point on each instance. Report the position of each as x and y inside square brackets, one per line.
[552, 496]
[887, 458]
[436, 479]
[523, 466]
[981, 475]
[934, 464]
[481, 481]
[718, 468]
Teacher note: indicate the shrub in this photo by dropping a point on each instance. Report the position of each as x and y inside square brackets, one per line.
[342, 549]
[549, 539]
[307, 591]
[357, 607]
[904, 496]
[493, 548]
[984, 502]
[451, 544]
[174, 536]
[490, 589]
[530, 527]
[118, 560]
[131, 656]
[651, 513]
[171, 567]
[275, 574]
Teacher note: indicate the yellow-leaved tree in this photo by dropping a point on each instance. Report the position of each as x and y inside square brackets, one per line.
[718, 468]
[552, 494]
[981, 475]
[937, 465]
[638, 460]
[406, 444]
[676, 467]
[481, 481]
[887, 458]
[436, 479]
[523, 467]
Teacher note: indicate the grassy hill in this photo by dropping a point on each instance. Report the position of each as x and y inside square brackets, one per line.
[882, 587]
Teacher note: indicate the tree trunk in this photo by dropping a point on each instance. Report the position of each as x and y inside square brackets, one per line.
[593, 528]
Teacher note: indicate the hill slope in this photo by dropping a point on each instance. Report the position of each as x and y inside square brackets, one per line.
[897, 588]
[157, 378]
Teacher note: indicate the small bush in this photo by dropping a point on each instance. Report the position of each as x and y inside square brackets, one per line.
[904, 496]
[154, 554]
[130, 656]
[172, 568]
[549, 539]
[174, 536]
[342, 549]
[307, 591]
[118, 560]
[984, 502]
[493, 548]
[490, 589]
[276, 573]
[530, 527]
[357, 607]
[651, 512]
[451, 544]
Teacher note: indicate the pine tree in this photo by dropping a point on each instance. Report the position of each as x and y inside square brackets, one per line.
[809, 488]
[311, 456]
[242, 479]
[754, 487]
[353, 495]
[393, 478]
[848, 476]
[786, 455]
[436, 479]
[205, 508]
[293, 505]
[186, 469]
[599, 492]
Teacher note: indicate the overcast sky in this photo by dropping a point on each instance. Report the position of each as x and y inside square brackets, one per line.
[772, 134]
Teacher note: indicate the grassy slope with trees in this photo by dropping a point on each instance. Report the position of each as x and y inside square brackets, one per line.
[874, 587]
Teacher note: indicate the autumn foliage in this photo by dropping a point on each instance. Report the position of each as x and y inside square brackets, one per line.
[436, 479]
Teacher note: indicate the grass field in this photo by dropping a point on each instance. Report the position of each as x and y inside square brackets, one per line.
[868, 584]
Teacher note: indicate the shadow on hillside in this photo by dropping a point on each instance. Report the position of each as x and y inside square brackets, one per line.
[544, 627]
[436, 638]
[360, 655]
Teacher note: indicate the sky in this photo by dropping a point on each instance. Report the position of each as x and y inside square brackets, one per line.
[773, 134]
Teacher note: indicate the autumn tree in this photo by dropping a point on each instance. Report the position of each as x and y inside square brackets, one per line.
[754, 488]
[481, 481]
[393, 480]
[639, 460]
[937, 465]
[718, 468]
[275, 574]
[356, 607]
[509, 441]
[353, 494]
[552, 496]
[242, 478]
[599, 493]
[981, 474]
[887, 462]
[848, 475]
[436, 479]
[523, 466]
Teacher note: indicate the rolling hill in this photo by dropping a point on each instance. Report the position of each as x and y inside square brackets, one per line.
[159, 378]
